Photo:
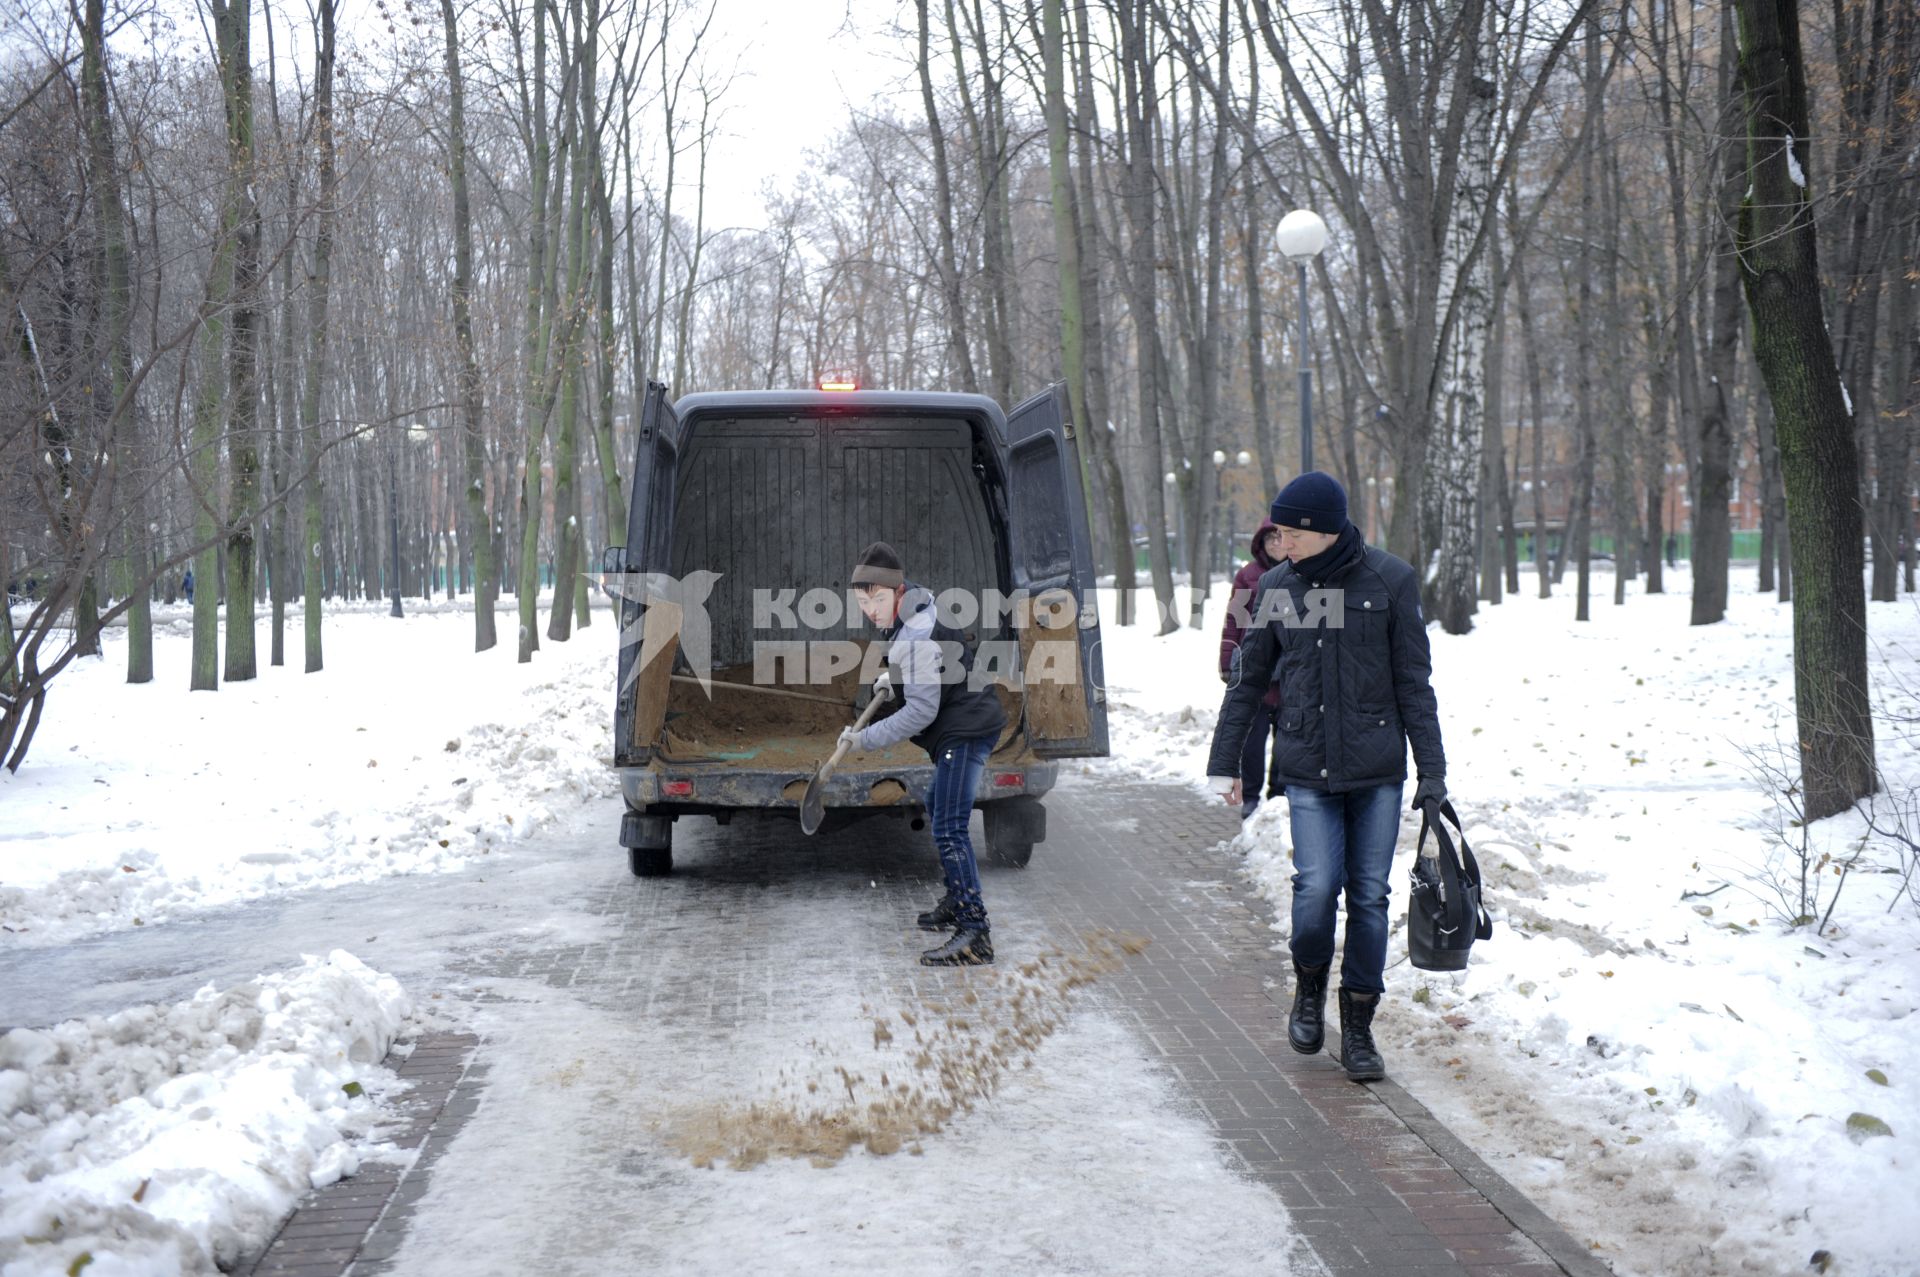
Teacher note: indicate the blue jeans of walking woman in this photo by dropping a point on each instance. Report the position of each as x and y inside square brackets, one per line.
[1343, 843]
[957, 769]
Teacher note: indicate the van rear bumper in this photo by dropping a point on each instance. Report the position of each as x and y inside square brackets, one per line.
[707, 788]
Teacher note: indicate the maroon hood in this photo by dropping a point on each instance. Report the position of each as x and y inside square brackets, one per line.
[1260, 555]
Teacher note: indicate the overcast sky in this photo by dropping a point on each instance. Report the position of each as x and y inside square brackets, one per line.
[802, 67]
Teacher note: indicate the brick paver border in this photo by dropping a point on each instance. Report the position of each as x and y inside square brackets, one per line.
[358, 1223]
[1372, 1179]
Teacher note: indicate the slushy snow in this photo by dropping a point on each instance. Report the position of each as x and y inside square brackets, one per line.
[172, 1139]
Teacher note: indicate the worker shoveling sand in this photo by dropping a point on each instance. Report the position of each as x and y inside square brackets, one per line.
[931, 1063]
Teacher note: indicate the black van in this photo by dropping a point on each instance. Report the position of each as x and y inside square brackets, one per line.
[740, 657]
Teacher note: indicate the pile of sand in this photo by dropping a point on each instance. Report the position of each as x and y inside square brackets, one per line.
[934, 1061]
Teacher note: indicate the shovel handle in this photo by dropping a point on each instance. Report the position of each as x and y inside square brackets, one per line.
[840, 750]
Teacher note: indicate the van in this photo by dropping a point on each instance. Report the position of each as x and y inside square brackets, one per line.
[742, 654]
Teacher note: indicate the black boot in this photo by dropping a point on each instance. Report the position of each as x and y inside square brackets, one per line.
[1307, 1026]
[1357, 1053]
[942, 917]
[969, 947]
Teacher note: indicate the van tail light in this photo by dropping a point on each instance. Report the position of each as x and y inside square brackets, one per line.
[1009, 780]
[677, 789]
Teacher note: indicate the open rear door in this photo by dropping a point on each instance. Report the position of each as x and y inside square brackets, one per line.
[1052, 558]
[649, 613]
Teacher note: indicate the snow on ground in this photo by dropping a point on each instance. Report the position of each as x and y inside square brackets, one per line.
[1645, 1047]
[407, 753]
[169, 1139]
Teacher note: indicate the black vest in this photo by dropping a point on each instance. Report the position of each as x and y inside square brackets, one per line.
[965, 712]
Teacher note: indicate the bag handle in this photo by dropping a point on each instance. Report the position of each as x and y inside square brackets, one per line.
[1457, 864]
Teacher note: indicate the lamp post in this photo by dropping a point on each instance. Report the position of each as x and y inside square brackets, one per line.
[1172, 502]
[1214, 540]
[1301, 236]
[393, 517]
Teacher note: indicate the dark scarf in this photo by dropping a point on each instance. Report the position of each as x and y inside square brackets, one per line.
[1333, 560]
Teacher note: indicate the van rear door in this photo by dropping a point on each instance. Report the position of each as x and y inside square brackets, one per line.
[641, 705]
[1051, 552]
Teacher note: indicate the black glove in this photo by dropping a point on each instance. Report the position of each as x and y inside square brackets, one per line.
[1430, 789]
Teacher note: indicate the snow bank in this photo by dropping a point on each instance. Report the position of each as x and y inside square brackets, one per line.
[409, 753]
[171, 1139]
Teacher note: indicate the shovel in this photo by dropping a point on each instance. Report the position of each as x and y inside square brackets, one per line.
[813, 807]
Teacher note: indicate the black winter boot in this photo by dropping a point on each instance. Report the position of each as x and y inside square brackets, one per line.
[1357, 1053]
[969, 947]
[1307, 1026]
[942, 917]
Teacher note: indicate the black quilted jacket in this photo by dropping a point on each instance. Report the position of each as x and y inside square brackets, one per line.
[1350, 654]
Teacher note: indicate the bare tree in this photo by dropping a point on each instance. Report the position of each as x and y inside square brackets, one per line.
[1779, 269]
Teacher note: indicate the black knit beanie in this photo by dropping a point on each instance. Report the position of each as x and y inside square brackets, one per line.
[1315, 502]
[879, 565]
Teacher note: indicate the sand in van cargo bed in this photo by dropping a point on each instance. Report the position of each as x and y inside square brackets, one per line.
[779, 732]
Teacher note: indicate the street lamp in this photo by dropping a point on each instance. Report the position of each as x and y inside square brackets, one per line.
[1301, 236]
[1213, 519]
[1171, 503]
[393, 518]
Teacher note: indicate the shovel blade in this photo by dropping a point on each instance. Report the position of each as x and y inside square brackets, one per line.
[813, 806]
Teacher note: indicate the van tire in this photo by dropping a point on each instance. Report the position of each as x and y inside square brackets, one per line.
[1013, 855]
[650, 862]
[1014, 825]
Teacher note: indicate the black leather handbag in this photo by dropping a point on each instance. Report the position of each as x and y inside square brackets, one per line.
[1444, 913]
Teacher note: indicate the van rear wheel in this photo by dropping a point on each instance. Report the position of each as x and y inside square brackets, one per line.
[650, 862]
[648, 839]
[1014, 825]
[1014, 855]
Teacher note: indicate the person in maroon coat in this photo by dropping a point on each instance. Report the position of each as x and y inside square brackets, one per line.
[1245, 602]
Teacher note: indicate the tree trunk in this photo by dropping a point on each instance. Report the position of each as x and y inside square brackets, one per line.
[566, 451]
[1619, 414]
[1066, 246]
[232, 20]
[1086, 215]
[116, 318]
[1536, 409]
[1893, 426]
[984, 127]
[1466, 287]
[1779, 268]
[467, 391]
[1140, 199]
[1496, 512]
[1209, 348]
[1659, 410]
[319, 296]
[1713, 478]
[538, 400]
[959, 355]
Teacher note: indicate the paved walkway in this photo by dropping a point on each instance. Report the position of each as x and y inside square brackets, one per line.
[1372, 1181]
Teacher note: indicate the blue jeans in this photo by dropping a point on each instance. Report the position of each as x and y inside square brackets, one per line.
[1343, 842]
[956, 778]
[1253, 761]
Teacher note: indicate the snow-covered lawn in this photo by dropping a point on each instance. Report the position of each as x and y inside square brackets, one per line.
[408, 753]
[1645, 1047]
